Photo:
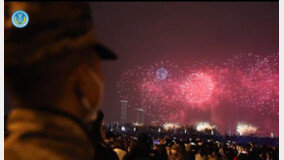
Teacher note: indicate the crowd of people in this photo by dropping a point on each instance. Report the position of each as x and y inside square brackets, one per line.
[144, 146]
[130, 142]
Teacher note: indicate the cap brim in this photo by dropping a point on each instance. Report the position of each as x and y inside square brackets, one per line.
[104, 52]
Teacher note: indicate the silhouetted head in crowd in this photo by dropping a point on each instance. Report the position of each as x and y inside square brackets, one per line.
[96, 127]
[119, 143]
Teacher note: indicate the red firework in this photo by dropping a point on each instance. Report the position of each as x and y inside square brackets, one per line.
[198, 88]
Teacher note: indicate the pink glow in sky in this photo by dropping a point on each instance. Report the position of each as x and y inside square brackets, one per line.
[247, 81]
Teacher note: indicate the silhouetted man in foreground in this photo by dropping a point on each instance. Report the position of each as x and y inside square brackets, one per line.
[54, 79]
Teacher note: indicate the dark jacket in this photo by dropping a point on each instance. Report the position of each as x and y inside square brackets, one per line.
[36, 134]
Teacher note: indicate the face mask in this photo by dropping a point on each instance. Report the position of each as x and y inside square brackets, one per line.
[92, 110]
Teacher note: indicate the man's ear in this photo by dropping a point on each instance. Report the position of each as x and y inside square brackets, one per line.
[71, 102]
[79, 79]
[84, 85]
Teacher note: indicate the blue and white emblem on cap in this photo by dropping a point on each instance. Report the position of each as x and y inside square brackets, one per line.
[20, 19]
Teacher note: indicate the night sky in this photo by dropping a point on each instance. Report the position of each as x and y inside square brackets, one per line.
[185, 33]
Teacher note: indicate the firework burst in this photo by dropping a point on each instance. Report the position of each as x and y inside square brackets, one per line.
[153, 88]
[253, 81]
[170, 126]
[166, 92]
[202, 126]
[246, 129]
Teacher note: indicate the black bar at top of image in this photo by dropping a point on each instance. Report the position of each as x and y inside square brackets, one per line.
[153, 1]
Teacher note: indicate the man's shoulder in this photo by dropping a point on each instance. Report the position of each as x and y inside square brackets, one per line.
[37, 133]
[15, 148]
[35, 148]
[10, 153]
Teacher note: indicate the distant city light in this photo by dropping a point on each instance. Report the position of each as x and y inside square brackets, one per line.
[122, 128]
